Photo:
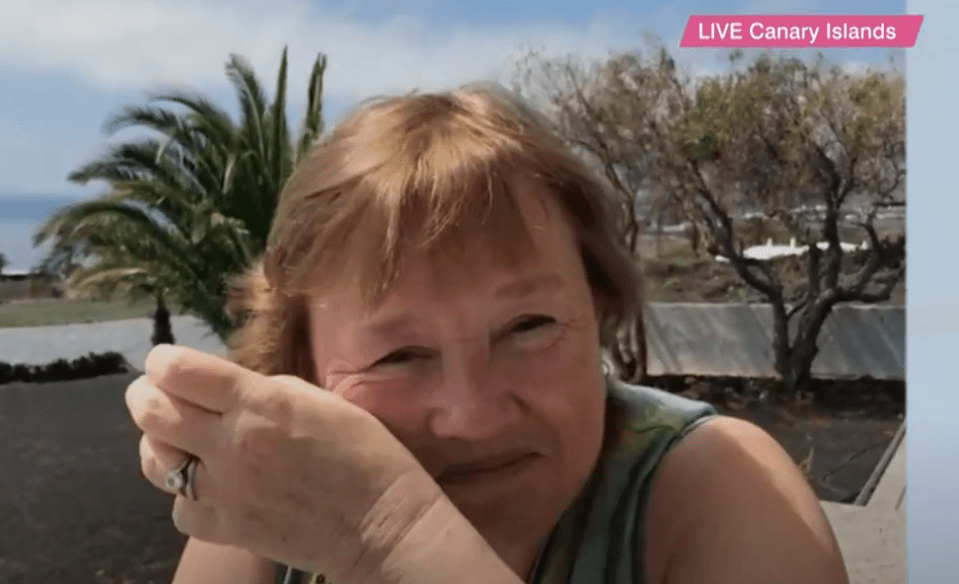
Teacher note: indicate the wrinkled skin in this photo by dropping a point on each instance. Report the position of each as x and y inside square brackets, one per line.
[288, 472]
[465, 372]
[461, 364]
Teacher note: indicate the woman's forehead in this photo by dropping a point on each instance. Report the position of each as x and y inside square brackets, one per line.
[487, 264]
[423, 283]
[533, 229]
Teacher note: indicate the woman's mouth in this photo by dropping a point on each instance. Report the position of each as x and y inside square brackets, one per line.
[488, 469]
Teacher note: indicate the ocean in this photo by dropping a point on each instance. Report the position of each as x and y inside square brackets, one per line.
[20, 216]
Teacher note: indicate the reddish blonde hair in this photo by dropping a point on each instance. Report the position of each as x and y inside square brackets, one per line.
[431, 171]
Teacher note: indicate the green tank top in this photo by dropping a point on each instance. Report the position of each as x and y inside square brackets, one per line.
[600, 536]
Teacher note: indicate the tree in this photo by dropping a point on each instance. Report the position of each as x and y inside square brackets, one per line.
[3, 262]
[162, 328]
[817, 151]
[118, 268]
[192, 204]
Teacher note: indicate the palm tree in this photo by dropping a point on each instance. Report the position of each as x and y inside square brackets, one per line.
[189, 206]
[162, 329]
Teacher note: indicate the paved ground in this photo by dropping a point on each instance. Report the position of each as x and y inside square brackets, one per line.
[872, 542]
[872, 536]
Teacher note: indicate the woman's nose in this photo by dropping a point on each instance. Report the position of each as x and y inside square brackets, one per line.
[471, 402]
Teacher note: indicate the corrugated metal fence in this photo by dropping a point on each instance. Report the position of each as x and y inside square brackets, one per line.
[736, 340]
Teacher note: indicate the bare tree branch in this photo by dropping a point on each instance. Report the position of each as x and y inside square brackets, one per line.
[773, 137]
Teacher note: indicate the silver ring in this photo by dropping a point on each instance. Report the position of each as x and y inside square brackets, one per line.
[180, 479]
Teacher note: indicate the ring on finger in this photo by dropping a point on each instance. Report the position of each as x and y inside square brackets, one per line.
[181, 478]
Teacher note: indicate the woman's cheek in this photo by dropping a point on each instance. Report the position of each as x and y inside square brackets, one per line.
[393, 396]
[532, 366]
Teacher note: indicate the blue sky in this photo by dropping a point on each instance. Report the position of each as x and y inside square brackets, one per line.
[65, 65]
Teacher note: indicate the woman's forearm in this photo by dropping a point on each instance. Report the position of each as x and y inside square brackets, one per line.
[444, 547]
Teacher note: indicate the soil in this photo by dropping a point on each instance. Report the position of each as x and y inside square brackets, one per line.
[837, 432]
[77, 510]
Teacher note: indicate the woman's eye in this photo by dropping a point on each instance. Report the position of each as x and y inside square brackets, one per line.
[532, 323]
[399, 357]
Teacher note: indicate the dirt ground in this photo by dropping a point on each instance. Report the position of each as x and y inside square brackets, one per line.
[838, 432]
[74, 507]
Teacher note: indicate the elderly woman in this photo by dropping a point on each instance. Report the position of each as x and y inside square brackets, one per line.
[417, 393]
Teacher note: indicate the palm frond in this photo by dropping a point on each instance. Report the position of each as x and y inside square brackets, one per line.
[191, 204]
[313, 118]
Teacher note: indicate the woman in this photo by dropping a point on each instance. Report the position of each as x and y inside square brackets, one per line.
[418, 391]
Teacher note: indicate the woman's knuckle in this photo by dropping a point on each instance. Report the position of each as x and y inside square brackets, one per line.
[147, 466]
[180, 520]
[152, 416]
[254, 440]
[173, 368]
[275, 404]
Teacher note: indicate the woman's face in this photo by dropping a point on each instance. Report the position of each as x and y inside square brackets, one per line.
[490, 375]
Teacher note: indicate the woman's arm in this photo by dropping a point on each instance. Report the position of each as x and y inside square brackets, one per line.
[443, 547]
[206, 563]
[437, 550]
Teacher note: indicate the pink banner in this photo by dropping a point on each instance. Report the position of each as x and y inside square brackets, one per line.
[801, 31]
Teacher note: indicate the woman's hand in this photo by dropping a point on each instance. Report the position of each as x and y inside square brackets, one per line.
[287, 470]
